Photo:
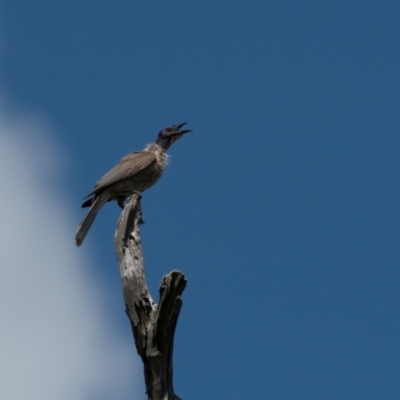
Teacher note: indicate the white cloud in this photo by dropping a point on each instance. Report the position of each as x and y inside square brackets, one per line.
[56, 340]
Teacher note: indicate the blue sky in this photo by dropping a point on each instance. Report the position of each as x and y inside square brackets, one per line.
[281, 207]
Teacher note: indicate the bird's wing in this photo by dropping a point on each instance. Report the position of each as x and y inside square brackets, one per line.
[126, 168]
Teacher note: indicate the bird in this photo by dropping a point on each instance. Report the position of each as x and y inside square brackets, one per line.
[135, 172]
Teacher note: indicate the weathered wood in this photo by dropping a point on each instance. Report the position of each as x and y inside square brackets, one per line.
[153, 325]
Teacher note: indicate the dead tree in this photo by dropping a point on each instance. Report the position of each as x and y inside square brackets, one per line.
[153, 325]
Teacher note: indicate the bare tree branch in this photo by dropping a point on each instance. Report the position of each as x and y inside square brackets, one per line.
[153, 325]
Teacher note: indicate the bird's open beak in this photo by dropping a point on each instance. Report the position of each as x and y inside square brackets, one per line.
[177, 133]
[177, 129]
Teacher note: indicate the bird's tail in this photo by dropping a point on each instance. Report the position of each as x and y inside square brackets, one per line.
[87, 221]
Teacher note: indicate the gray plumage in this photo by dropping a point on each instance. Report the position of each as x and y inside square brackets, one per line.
[136, 172]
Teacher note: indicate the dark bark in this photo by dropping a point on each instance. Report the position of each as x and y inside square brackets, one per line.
[153, 325]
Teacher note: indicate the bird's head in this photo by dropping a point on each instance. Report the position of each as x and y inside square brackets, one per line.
[170, 135]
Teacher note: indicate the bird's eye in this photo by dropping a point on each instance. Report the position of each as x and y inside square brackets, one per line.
[165, 132]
